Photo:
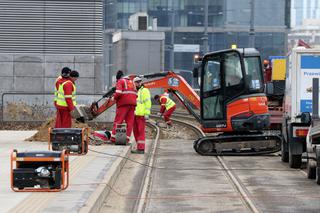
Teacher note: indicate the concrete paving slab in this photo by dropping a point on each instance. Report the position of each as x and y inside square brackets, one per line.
[90, 177]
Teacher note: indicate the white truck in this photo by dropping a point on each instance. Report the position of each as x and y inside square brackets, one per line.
[302, 66]
[313, 137]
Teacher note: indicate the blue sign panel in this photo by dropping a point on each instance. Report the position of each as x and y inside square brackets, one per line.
[305, 105]
[310, 62]
[276, 57]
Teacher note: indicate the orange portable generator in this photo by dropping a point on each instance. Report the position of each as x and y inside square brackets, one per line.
[43, 171]
[74, 140]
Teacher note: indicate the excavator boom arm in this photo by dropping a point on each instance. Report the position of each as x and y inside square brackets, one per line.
[169, 81]
[173, 82]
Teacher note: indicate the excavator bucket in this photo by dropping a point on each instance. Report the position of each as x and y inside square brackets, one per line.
[82, 113]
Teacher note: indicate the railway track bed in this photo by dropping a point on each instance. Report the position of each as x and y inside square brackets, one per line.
[180, 180]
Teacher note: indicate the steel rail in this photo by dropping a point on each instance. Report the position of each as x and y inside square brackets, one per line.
[228, 172]
[144, 191]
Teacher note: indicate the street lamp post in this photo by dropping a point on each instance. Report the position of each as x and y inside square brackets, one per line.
[205, 34]
[213, 26]
[252, 32]
[172, 38]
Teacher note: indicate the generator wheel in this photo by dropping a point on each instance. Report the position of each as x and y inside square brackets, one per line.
[318, 175]
[311, 170]
[294, 161]
[284, 152]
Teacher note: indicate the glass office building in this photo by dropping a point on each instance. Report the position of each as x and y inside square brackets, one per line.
[228, 23]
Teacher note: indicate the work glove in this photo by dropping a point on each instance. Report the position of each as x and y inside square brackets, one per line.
[146, 117]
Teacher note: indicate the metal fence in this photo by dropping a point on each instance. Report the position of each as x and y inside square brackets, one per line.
[38, 107]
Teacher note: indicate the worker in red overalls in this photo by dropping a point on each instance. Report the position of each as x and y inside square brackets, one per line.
[167, 107]
[65, 72]
[142, 113]
[267, 70]
[66, 100]
[125, 97]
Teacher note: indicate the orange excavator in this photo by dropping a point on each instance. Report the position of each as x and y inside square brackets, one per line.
[232, 103]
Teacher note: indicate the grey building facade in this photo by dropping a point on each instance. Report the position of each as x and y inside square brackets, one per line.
[228, 23]
[304, 9]
[37, 39]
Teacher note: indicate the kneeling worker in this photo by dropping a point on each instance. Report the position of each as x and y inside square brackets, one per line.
[141, 114]
[167, 107]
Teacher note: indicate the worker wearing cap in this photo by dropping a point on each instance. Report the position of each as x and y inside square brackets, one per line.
[65, 72]
[167, 107]
[125, 97]
[142, 113]
[66, 101]
[267, 70]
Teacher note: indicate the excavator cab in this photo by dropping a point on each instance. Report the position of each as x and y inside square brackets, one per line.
[226, 78]
[233, 104]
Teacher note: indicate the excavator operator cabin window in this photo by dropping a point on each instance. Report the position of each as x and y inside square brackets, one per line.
[212, 77]
[233, 71]
[212, 99]
[253, 72]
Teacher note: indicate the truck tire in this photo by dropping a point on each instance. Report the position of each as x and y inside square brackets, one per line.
[311, 170]
[284, 152]
[318, 175]
[294, 161]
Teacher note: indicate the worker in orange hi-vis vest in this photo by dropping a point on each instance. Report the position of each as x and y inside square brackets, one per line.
[126, 100]
[167, 107]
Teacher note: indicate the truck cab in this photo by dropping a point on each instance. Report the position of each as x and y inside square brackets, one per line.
[302, 65]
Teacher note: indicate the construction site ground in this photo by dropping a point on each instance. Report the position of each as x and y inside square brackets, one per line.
[90, 177]
[182, 180]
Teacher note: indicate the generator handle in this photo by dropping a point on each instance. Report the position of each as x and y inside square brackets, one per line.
[11, 168]
[64, 170]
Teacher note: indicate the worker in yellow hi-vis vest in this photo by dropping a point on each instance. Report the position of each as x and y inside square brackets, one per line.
[66, 101]
[167, 107]
[141, 114]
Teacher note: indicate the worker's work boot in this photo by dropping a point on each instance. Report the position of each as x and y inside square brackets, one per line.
[137, 151]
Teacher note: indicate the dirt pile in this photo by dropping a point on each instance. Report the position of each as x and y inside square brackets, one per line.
[21, 126]
[42, 134]
[21, 111]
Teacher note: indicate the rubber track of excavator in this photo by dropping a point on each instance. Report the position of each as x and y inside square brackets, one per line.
[223, 139]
